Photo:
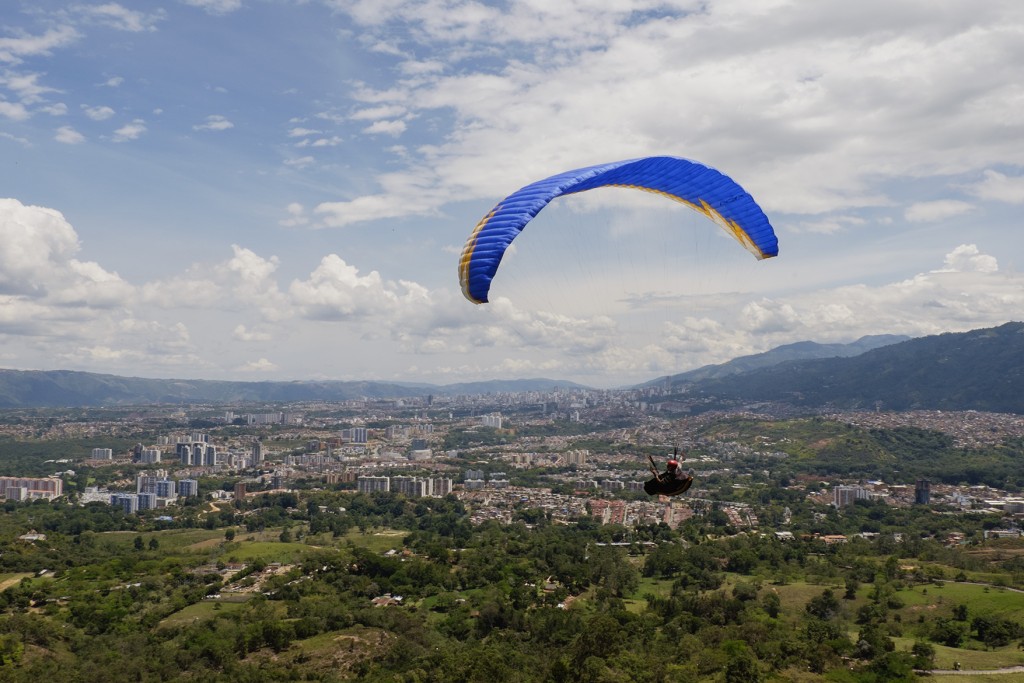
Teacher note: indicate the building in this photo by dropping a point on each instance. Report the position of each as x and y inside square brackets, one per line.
[166, 488]
[414, 487]
[369, 484]
[442, 487]
[492, 420]
[240, 490]
[257, 454]
[845, 495]
[150, 456]
[197, 454]
[102, 454]
[608, 511]
[47, 488]
[577, 458]
[188, 487]
[129, 502]
[922, 492]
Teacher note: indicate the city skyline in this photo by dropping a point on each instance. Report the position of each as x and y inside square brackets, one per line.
[275, 190]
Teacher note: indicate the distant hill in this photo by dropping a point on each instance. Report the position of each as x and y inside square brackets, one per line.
[804, 350]
[978, 370]
[64, 388]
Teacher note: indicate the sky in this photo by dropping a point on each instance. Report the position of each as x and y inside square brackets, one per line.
[280, 189]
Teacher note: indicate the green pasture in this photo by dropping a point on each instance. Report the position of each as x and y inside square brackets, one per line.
[200, 611]
[377, 540]
[1016, 677]
[266, 551]
[939, 599]
[649, 585]
[170, 540]
[970, 660]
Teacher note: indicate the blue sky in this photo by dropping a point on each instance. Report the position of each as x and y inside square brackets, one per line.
[279, 189]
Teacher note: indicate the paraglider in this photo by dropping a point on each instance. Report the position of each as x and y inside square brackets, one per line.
[673, 481]
[700, 187]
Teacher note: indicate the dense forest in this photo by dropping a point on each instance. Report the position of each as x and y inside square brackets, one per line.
[112, 597]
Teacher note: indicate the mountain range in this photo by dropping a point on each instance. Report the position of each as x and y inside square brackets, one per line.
[977, 370]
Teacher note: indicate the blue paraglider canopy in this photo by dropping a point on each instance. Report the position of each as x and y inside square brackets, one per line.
[700, 187]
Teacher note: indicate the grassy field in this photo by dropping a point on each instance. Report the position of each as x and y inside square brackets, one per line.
[940, 599]
[649, 585]
[8, 580]
[970, 660]
[206, 609]
[377, 540]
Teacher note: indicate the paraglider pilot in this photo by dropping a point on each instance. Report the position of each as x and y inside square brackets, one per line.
[673, 481]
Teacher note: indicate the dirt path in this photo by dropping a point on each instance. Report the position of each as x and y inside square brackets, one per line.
[13, 581]
[974, 672]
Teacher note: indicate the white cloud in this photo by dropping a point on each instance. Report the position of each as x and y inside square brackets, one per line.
[891, 91]
[26, 86]
[14, 111]
[56, 109]
[216, 7]
[297, 216]
[38, 261]
[14, 138]
[336, 291]
[119, 17]
[261, 365]
[999, 187]
[299, 162]
[333, 141]
[242, 333]
[69, 136]
[302, 132]
[130, 131]
[113, 82]
[389, 111]
[927, 212]
[13, 49]
[339, 214]
[100, 113]
[214, 122]
[967, 258]
[393, 128]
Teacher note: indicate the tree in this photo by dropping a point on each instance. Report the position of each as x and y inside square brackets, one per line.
[924, 656]
[741, 666]
[824, 606]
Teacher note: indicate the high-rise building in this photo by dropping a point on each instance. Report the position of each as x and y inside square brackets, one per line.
[188, 487]
[47, 488]
[368, 484]
[257, 454]
[922, 492]
[845, 495]
[166, 488]
[575, 457]
[102, 454]
[442, 486]
[129, 502]
[149, 456]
